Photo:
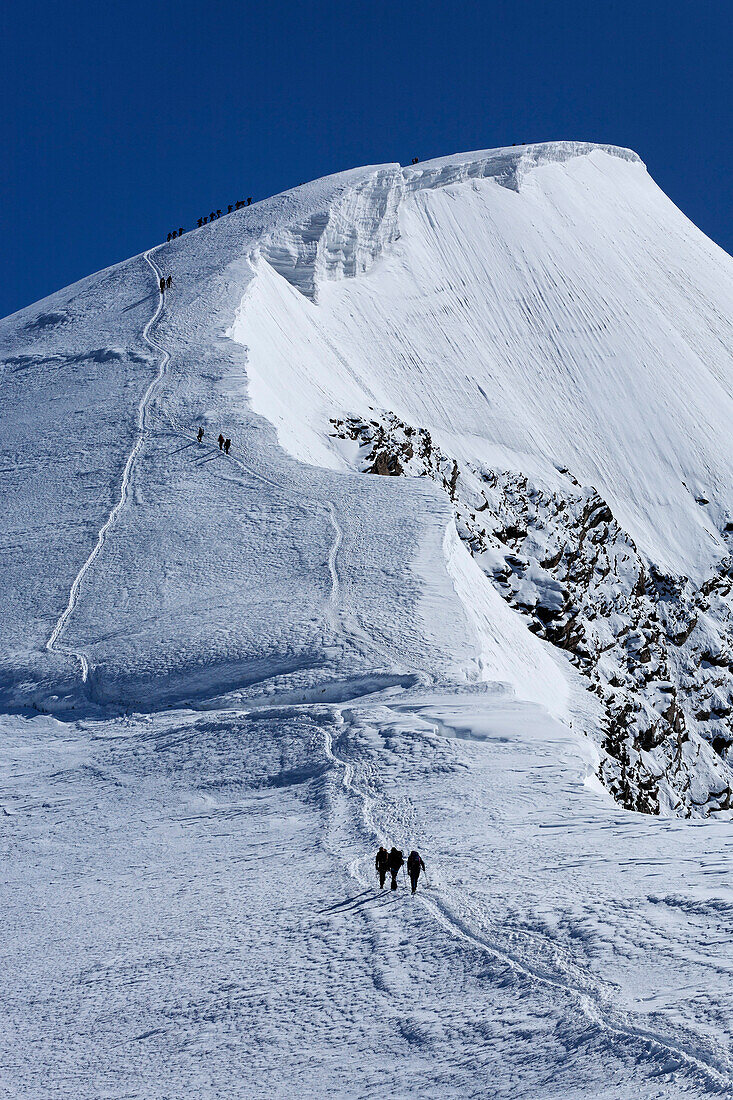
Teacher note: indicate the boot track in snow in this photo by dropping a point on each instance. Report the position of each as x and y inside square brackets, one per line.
[587, 999]
[164, 360]
[457, 926]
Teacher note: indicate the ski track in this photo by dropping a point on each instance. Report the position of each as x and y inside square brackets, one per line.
[126, 476]
[341, 623]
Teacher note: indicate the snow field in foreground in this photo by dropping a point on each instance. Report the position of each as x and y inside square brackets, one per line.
[191, 909]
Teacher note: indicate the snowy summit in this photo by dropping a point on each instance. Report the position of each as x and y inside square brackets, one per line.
[396, 509]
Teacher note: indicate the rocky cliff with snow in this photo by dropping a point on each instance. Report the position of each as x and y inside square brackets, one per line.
[547, 339]
[656, 648]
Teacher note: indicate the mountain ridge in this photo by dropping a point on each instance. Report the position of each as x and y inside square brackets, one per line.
[523, 305]
[461, 584]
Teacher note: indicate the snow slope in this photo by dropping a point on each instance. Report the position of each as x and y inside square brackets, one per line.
[190, 911]
[546, 312]
[225, 679]
[578, 319]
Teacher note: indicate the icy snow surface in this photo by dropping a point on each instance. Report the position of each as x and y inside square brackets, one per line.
[225, 679]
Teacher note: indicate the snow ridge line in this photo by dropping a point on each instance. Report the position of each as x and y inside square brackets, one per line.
[126, 476]
[458, 927]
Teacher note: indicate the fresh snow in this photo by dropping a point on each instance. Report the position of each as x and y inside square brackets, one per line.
[225, 680]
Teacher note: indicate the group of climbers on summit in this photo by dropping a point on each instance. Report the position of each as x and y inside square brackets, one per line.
[393, 861]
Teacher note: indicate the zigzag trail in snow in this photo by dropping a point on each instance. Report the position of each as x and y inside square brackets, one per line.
[457, 926]
[126, 476]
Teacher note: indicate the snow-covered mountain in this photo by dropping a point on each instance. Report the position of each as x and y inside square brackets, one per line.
[243, 671]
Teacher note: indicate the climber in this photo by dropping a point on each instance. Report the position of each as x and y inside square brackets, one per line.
[381, 861]
[200, 435]
[169, 282]
[227, 445]
[220, 441]
[396, 859]
[414, 866]
[162, 286]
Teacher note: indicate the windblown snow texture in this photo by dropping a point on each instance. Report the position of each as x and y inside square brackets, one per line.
[226, 679]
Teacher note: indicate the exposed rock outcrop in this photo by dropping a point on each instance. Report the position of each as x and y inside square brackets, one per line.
[657, 650]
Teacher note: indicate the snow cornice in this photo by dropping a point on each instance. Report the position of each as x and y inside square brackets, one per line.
[354, 215]
[507, 165]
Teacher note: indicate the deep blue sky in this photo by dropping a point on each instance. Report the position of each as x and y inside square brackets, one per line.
[120, 121]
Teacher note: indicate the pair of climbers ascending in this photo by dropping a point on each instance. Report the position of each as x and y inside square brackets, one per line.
[224, 444]
[166, 284]
[392, 861]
